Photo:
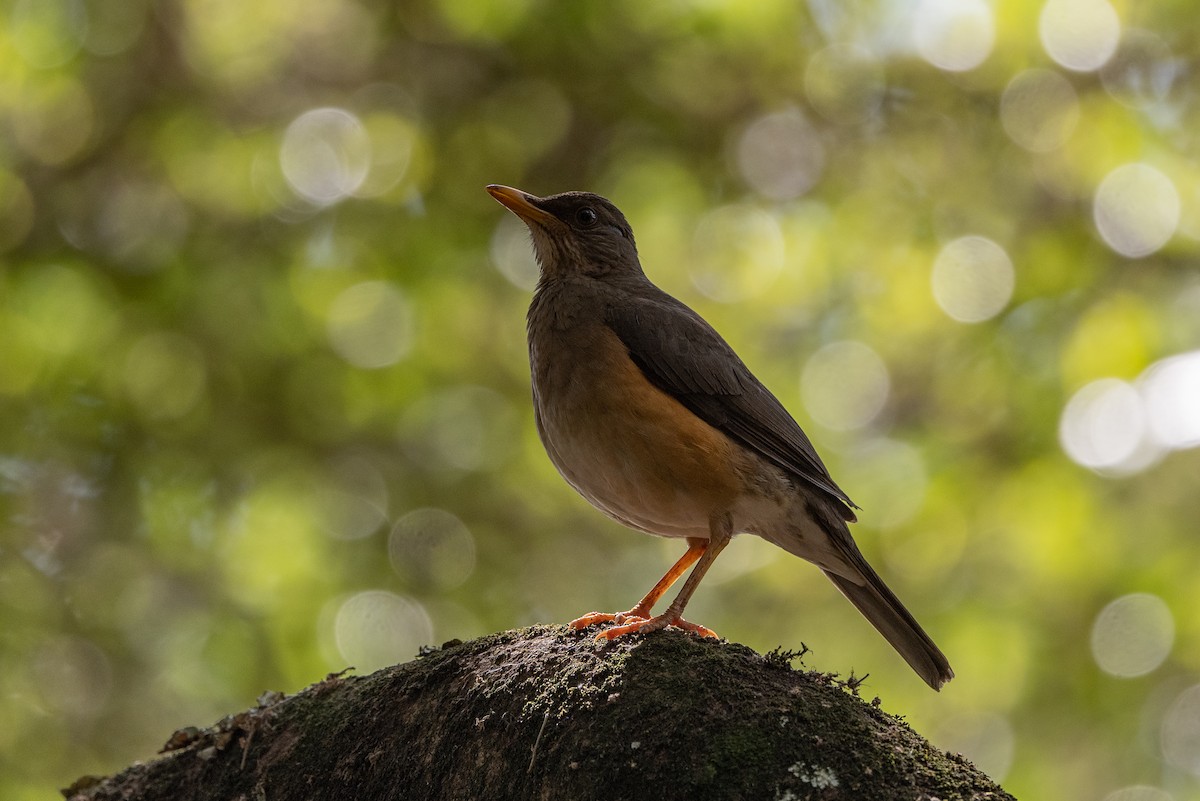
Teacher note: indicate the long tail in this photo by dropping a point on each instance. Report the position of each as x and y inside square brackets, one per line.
[885, 612]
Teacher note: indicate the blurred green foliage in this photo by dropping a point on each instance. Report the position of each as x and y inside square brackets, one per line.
[263, 395]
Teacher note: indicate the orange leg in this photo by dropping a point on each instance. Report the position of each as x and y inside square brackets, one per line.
[703, 553]
[696, 548]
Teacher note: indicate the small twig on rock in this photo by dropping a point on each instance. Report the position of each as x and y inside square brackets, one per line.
[533, 755]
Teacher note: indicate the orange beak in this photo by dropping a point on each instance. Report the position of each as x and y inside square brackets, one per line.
[521, 204]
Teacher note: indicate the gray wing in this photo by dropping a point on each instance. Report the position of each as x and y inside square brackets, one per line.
[683, 356]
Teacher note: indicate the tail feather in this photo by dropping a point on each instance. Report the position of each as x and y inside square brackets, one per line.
[885, 612]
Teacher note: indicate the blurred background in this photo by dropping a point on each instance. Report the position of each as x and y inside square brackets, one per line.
[263, 393]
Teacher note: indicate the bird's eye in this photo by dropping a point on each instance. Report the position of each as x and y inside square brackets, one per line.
[586, 216]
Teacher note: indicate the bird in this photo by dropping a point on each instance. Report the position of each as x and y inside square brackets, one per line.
[652, 417]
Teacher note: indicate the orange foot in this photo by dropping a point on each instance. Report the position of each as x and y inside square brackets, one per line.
[634, 621]
[592, 618]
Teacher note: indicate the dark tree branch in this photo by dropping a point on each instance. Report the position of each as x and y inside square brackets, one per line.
[545, 714]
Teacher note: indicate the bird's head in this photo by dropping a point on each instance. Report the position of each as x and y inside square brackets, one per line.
[574, 232]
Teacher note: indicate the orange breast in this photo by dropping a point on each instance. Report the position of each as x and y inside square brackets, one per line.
[628, 447]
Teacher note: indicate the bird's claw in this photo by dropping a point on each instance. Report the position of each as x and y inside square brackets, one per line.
[694, 628]
[592, 618]
[634, 621]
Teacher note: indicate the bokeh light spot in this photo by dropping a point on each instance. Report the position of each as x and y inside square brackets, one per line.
[737, 252]
[844, 385]
[370, 324]
[1103, 427]
[1171, 389]
[512, 254]
[1180, 733]
[376, 628]
[325, 155]
[972, 279]
[1133, 635]
[432, 548]
[1081, 35]
[954, 35]
[780, 155]
[1039, 110]
[1136, 210]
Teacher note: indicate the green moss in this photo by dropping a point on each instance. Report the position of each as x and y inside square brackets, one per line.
[549, 713]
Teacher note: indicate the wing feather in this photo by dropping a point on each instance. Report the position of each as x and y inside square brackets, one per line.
[685, 357]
